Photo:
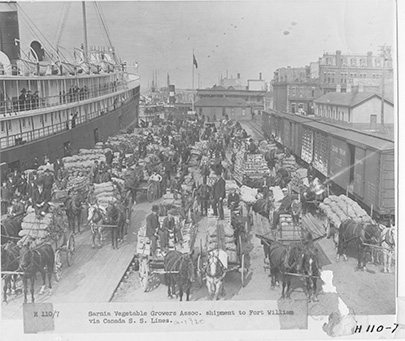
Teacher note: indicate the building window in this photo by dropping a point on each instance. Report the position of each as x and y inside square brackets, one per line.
[10, 127]
[2, 126]
[378, 62]
[363, 62]
[293, 108]
[23, 123]
[353, 62]
[293, 90]
[46, 118]
[313, 93]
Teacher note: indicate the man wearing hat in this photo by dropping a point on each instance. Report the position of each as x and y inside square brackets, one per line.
[39, 201]
[252, 146]
[17, 207]
[48, 180]
[5, 198]
[285, 207]
[218, 191]
[152, 226]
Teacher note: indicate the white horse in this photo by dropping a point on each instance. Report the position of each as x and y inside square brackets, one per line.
[388, 235]
[95, 220]
[215, 272]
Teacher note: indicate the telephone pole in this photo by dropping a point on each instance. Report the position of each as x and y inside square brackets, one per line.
[386, 55]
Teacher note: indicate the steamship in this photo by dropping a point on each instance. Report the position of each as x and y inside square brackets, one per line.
[52, 106]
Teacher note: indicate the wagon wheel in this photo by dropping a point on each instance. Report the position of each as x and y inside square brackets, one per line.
[150, 192]
[70, 248]
[200, 271]
[144, 273]
[242, 271]
[58, 265]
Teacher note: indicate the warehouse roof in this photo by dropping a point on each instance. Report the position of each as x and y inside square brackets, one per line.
[347, 99]
[221, 102]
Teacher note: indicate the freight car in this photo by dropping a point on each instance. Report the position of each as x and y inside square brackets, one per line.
[360, 164]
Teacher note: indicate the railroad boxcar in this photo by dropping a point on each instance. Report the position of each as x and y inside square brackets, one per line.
[359, 163]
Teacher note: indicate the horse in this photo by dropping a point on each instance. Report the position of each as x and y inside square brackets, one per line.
[73, 208]
[311, 269]
[179, 269]
[10, 227]
[215, 272]
[284, 259]
[41, 259]
[388, 237]
[9, 262]
[359, 233]
[116, 216]
[95, 219]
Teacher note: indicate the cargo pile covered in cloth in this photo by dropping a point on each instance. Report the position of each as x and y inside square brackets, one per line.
[340, 208]
[105, 193]
[220, 235]
[37, 231]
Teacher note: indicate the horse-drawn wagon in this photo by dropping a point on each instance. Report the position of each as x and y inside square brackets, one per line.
[223, 252]
[180, 244]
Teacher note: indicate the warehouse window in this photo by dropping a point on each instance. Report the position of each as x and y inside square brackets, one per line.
[23, 123]
[2, 126]
[10, 127]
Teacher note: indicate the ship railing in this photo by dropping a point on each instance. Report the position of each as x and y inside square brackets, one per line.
[35, 134]
[73, 95]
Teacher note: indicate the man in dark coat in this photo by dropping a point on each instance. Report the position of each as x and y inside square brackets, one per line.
[152, 226]
[109, 156]
[5, 198]
[285, 207]
[48, 180]
[203, 193]
[39, 201]
[218, 194]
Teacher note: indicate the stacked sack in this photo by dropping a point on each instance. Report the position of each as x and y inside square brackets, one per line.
[105, 193]
[84, 161]
[248, 195]
[38, 230]
[298, 177]
[341, 208]
[289, 163]
[265, 146]
[221, 236]
[78, 183]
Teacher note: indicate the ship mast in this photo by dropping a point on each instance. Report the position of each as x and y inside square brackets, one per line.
[85, 30]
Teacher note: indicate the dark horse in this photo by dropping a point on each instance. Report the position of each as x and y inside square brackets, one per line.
[311, 269]
[284, 259]
[73, 207]
[41, 259]
[10, 228]
[116, 216]
[179, 269]
[9, 262]
[360, 234]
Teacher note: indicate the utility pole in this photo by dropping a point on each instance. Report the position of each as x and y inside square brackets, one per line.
[385, 54]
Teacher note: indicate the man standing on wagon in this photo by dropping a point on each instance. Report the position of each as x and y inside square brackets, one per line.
[152, 226]
[285, 207]
[218, 191]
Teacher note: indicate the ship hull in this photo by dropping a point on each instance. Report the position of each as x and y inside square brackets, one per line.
[82, 136]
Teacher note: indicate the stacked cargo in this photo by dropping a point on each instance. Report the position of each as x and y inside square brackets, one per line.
[265, 146]
[38, 230]
[289, 163]
[238, 166]
[299, 177]
[341, 208]
[105, 193]
[255, 165]
[221, 236]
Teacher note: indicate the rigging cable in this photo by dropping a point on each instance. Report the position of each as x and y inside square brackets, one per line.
[62, 28]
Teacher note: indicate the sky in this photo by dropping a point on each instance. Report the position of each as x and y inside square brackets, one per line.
[246, 37]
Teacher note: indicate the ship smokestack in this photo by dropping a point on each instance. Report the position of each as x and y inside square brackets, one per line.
[9, 32]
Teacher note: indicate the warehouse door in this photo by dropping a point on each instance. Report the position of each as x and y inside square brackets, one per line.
[352, 162]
